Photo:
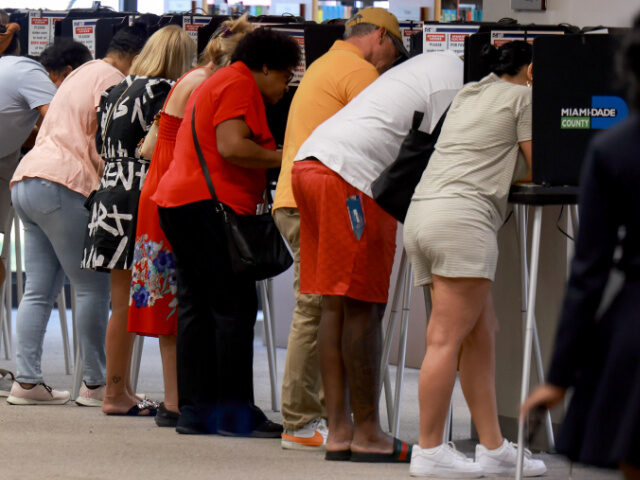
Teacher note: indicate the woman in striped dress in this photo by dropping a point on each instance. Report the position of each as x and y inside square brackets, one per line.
[450, 235]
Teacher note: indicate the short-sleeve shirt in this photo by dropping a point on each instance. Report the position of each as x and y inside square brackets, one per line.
[229, 93]
[477, 155]
[24, 86]
[329, 83]
[363, 138]
[65, 149]
[138, 99]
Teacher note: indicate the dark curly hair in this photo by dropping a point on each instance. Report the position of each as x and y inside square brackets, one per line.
[264, 46]
[629, 64]
[63, 52]
[129, 40]
[509, 58]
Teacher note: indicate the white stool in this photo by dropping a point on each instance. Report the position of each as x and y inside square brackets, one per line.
[537, 197]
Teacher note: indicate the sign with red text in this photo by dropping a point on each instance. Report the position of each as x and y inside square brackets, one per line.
[84, 31]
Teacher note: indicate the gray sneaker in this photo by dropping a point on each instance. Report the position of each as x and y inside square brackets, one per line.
[39, 394]
[6, 381]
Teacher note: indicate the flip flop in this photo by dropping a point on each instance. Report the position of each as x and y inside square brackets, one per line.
[137, 411]
[401, 454]
[338, 455]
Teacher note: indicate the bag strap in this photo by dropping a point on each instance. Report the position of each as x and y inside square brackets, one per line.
[203, 163]
[443, 117]
[417, 120]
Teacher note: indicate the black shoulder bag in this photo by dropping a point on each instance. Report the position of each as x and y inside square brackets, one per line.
[254, 244]
[393, 189]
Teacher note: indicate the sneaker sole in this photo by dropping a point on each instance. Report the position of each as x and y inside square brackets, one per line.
[447, 474]
[291, 445]
[88, 402]
[25, 401]
[512, 471]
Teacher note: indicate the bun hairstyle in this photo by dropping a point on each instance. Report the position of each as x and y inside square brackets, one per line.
[509, 58]
[629, 63]
[224, 41]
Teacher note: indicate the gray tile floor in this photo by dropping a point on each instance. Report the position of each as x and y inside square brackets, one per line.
[70, 442]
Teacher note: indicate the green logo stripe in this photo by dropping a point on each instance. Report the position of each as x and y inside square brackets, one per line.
[574, 123]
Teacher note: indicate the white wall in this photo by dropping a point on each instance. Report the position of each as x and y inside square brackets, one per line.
[582, 13]
[410, 9]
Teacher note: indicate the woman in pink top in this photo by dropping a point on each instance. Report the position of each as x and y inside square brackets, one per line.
[49, 189]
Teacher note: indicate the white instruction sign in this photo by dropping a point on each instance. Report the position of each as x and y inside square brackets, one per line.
[42, 30]
[500, 37]
[192, 24]
[407, 29]
[298, 36]
[84, 31]
[440, 37]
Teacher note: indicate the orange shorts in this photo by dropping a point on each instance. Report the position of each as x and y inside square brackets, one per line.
[333, 261]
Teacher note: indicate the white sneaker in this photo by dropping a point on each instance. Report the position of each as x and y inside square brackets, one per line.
[443, 461]
[502, 460]
[90, 397]
[40, 394]
[312, 436]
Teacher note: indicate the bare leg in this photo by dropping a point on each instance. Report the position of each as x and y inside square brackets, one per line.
[477, 376]
[631, 472]
[457, 305]
[169, 372]
[333, 374]
[361, 351]
[119, 343]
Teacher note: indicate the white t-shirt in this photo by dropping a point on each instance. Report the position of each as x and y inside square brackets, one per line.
[364, 137]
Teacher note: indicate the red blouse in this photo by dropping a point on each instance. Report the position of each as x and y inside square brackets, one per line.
[229, 93]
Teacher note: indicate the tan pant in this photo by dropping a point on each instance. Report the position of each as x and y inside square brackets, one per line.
[302, 393]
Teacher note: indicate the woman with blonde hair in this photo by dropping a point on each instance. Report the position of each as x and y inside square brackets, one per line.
[152, 302]
[125, 115]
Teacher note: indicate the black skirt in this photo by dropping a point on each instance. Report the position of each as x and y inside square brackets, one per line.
[111, 233]
[602, 425]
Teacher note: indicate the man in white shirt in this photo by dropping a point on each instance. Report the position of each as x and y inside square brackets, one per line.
[348, 241]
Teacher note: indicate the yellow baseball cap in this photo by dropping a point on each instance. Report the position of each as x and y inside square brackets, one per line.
[381, 18]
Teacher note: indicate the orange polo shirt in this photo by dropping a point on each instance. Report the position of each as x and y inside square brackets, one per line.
[331, 82]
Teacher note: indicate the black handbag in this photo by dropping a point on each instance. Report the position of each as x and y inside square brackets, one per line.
[256, 249]
[393, 189]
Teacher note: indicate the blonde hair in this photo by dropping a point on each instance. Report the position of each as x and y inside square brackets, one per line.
[224, 41]
[168, 53]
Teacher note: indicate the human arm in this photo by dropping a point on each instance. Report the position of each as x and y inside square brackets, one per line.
[234, 144]
[525, 148]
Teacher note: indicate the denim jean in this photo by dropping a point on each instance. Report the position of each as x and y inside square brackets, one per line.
[55, 221]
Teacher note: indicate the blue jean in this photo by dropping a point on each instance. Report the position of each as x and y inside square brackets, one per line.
[55, 221]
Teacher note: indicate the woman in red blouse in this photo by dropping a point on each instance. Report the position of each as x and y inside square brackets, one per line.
[216, 309]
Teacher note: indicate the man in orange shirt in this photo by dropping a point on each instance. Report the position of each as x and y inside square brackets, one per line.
[372, 43]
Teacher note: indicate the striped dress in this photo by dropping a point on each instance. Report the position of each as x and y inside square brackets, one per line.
[461, 200]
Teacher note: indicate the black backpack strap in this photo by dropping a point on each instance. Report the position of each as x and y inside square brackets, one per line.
[417, 120]
[436, 131]
[203, 164]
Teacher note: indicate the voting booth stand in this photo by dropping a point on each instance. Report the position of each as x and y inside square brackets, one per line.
[574, 96]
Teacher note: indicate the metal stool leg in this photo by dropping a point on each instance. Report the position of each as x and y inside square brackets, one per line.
[269, 335]
[62, 311]
[526, 361]
[5, 313]
[402, 349]
[520, 212]
[138, 345]
[388, 337]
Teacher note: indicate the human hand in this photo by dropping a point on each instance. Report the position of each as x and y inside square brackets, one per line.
[546, 395]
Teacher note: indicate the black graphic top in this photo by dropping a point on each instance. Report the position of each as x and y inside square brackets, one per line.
[133, 116]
